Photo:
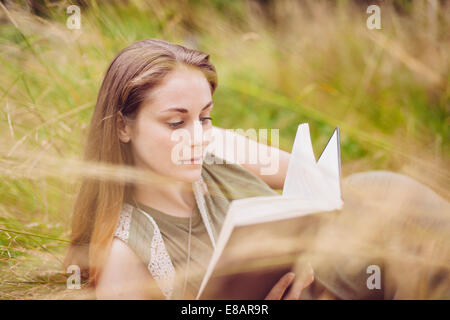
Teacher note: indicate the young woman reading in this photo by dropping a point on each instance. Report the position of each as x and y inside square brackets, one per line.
[139, 241]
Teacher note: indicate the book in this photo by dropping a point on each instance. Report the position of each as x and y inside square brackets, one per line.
[262, 237]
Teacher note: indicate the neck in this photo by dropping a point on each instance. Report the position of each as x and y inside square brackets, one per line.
[174, 198]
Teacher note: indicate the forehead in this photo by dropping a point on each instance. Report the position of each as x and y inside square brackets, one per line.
[184, 87]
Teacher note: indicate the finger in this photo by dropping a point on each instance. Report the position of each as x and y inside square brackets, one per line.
[280, 287]
[302, 280]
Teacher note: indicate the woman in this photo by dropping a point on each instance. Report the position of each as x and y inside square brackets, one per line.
[140, 241]
[151, 89]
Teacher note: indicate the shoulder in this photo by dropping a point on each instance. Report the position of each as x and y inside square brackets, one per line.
[226, 171]
[134, 226]
[137, 229]
[233, 178]
[124, 275]
[121, 256]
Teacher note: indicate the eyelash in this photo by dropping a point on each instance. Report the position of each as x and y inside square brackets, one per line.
[176, 124]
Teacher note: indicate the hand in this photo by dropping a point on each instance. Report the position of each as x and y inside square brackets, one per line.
[300, 283]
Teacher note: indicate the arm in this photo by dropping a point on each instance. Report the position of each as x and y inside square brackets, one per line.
[278, 161]
[276, 180]
[124, 276]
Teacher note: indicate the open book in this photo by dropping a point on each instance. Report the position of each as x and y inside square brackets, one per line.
[262, 236]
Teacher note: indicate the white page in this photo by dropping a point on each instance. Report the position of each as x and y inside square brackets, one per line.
[304, 178]
[329, 164]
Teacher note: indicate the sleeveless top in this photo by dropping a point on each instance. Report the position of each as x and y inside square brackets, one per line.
[160, 240]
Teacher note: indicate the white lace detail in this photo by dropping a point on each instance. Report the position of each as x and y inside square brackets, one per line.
[123, 226]
[160, 265]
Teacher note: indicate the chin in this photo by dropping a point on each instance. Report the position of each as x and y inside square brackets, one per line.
[190, 173]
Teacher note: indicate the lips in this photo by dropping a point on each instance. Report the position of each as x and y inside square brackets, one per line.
[192, 160]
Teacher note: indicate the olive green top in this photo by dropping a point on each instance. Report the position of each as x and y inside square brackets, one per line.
[225, 182]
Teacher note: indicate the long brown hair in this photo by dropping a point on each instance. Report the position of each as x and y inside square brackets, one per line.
[134, 71]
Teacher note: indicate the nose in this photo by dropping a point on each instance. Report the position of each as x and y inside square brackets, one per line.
[196, 133]
[198, 141]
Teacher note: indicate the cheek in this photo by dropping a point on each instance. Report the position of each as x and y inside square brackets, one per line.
[153, 148]
[153, 145]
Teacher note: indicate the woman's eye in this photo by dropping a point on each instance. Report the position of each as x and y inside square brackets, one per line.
[205, 119]
[175, 124]
[179, 123]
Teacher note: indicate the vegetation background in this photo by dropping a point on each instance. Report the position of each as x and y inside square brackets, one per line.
[280, 63]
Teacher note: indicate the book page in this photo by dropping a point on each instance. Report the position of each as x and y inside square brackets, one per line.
[329, 164]
[310, 180]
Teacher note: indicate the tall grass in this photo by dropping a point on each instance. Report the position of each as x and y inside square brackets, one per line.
[278, 66]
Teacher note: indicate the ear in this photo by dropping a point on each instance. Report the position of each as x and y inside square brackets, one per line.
[123, 128]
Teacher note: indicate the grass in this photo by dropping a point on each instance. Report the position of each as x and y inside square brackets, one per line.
[388, 90]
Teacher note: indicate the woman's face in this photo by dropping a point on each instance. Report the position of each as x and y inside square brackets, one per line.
[173, 126]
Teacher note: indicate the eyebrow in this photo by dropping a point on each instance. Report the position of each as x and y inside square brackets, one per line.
[184, 110]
